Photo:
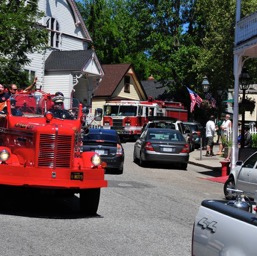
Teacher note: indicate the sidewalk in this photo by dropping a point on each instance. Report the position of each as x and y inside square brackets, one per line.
[206, 162]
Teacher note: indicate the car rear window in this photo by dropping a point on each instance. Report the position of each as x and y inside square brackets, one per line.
[104, 137]
[167, 135]
[162, 125]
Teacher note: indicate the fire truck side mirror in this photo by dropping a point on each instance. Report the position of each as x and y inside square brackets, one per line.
[98, 114]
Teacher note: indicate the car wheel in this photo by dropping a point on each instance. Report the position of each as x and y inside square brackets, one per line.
[89, 201]
[230, 183]
[134, 157]
[120, 170]
[141, 161]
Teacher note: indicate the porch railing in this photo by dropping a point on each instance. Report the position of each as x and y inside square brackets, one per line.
[246, 28]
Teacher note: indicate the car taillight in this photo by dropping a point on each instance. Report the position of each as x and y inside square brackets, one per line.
[119, 151]
[185, 149]
[148, 146]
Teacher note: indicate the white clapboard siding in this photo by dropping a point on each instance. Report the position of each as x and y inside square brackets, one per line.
[61, 83]
[62, 13]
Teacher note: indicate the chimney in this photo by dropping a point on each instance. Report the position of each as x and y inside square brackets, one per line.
[150, 77]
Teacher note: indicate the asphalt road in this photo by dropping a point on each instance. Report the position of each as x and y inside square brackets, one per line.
[145, 211]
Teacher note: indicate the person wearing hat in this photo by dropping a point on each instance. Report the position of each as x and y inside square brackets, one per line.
[58, 108]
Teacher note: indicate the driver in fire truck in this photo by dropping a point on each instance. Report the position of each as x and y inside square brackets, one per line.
[58, 108]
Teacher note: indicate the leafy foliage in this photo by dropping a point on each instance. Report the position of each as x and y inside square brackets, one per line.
[19, 35]
[177, 41]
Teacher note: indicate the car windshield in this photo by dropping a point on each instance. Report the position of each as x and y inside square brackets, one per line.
[120, 110]
[250, 163]
[37, 104]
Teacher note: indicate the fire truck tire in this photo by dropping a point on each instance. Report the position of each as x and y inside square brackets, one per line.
[89, 201]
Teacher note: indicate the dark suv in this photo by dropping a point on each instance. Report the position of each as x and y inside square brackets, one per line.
[197, 131]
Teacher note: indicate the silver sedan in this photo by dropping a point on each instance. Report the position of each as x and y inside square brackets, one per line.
[158, 145]
[243, 177]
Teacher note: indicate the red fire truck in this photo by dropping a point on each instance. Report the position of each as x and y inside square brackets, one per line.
[42, 152]
[129, 117]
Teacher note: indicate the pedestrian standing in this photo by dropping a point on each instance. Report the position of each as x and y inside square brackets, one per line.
[247, 138]
[210, 131]
[226, 130]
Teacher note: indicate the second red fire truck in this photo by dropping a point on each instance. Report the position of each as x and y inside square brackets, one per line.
[128, 117]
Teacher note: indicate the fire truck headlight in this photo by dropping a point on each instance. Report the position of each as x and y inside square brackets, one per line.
[4, 155]
[49, 116]
[96, 160]
[127, 124]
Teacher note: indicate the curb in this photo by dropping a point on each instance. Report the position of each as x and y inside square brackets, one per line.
[204, 165]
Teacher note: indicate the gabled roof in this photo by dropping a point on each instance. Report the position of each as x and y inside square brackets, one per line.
[154, 89]
[113, 74]
[78, 19]
[68, 60]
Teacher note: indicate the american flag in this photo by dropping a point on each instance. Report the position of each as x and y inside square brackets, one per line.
[195, 99]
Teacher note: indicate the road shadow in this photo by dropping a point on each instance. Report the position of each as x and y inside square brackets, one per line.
[172, 166]
[35, 204]
[214, 172]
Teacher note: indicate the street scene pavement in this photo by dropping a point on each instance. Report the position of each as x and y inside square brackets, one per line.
[197, 157]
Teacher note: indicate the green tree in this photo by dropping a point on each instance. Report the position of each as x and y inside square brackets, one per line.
[177, 41]
[19, 35]
[117, 32]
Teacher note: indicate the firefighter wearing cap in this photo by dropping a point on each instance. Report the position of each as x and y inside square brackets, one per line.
[58, 108]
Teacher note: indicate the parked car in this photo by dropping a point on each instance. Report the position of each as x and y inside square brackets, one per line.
[243, 177]
[161, 145]
[107, 144]
[197, 131]
[167, 122]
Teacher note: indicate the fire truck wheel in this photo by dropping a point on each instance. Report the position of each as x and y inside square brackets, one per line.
[89, 201]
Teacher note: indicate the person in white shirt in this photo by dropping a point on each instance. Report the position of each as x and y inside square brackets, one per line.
[226, 129]
[210, 130]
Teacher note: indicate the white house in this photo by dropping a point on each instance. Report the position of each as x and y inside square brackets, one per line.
[67, 65]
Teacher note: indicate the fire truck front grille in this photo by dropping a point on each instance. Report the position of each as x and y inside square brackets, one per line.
[117, 123]
[54, 151]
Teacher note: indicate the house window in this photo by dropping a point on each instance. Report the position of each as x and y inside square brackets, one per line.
[54, 32]
[127, 84]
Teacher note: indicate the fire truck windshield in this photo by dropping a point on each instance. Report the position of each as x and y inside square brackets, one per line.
[120, 110]
[36, 105]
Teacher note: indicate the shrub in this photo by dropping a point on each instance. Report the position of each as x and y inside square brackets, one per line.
[254, 140]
